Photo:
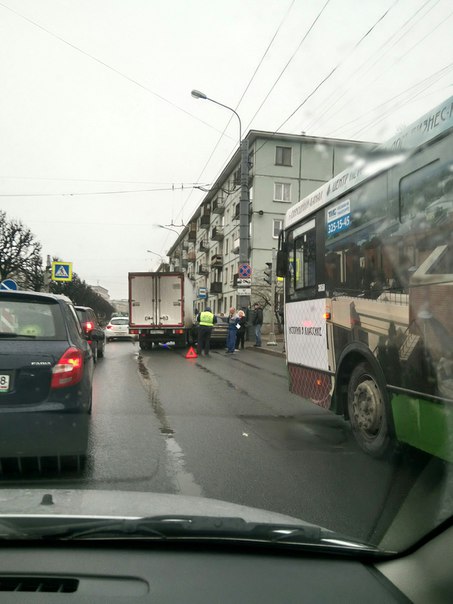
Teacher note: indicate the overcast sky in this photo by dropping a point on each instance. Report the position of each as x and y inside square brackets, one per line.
[95, 103]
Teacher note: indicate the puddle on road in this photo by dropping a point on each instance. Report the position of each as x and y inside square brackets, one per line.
[185, 481]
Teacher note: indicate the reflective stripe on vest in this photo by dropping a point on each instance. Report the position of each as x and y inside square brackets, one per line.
[206, 319]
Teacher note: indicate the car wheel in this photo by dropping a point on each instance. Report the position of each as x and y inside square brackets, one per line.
[369, 412]
[95, 354]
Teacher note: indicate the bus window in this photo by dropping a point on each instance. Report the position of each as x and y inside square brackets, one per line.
[305, 259]
[357, 228]
[301, 268]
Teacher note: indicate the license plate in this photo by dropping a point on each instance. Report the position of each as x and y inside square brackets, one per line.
[158, 331]
[4, 383]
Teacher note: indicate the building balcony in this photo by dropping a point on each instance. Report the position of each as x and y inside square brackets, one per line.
[204, 246]
[191, 276]
[218, 206]
[191, 256]
[205, 221]
[192, 232]
[217, 261]
[216, 287]
[217, 233]
[203, 269]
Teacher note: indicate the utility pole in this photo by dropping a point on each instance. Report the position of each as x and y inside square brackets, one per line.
[244, 216]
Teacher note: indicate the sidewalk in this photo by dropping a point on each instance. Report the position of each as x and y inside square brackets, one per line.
[266, 349]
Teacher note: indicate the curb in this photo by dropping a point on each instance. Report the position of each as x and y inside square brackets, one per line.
[264, 349]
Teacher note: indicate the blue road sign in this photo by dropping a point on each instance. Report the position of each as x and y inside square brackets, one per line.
[8, 284]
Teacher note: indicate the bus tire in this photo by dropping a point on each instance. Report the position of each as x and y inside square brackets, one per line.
[369, 413]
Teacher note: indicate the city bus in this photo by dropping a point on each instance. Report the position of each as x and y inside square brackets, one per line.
[368, 268]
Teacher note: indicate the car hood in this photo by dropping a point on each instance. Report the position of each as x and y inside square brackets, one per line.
[130, 504]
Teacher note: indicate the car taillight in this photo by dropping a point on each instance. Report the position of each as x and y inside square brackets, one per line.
[133, 331]
[109, 326]
[88, 326]
[69, 369]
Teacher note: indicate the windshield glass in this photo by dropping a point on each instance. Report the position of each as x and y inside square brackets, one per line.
[157, 181]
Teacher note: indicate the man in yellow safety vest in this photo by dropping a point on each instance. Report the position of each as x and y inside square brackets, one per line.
[206, 320]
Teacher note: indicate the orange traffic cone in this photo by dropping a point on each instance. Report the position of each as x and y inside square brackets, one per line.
[191, 354]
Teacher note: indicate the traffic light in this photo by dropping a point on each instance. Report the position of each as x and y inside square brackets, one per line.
[268, 273]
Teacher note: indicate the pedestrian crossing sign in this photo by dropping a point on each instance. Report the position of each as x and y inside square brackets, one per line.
[61, 271]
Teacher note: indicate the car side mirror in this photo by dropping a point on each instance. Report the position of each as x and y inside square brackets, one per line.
[96, 335]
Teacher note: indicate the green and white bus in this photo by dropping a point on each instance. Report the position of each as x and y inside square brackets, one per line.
[368, 266]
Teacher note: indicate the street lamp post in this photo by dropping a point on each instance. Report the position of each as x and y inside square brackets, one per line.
[162, 260]
[168, 228]
[243, 301]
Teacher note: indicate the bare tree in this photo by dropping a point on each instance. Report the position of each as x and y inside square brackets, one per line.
[20, 254]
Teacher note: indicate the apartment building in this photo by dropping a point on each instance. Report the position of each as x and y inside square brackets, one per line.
[283, 168]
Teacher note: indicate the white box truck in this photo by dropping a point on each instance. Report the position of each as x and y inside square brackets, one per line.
[161, 308]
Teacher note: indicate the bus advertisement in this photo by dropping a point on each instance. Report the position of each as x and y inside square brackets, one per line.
[368, 267]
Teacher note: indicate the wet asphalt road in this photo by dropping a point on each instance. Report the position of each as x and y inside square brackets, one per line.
[226, 427]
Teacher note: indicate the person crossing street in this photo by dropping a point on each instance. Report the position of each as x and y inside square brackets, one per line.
[206, 321]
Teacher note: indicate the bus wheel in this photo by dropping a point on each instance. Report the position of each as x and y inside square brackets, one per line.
[368, 412]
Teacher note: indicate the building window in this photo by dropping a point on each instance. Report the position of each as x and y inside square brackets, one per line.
[277, 225]
[237, 178]
[282, 191]
[226, 245]
[226, 275]
[283, 156]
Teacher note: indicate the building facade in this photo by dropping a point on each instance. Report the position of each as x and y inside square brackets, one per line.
[283, 169]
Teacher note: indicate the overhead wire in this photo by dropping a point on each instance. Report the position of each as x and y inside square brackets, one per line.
[307, 33]
[260, 62]
[107, 66]
[273, 85]
[337, 66]
[80, 194]
[393, 107]
[434, 78]
[325, 108]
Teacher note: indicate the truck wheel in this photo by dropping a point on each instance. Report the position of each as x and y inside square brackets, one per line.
[369, 412]
[143, 345]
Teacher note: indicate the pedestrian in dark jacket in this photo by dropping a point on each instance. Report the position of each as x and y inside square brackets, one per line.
[240, 335]
[258, 322]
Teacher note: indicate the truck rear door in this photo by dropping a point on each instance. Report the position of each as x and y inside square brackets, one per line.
[170, 299]
[143, 308]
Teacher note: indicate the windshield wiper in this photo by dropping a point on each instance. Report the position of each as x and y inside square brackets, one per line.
[11, 334]
[195, 528]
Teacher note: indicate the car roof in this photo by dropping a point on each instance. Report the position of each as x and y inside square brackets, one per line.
[24, 294]
[83, 308]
